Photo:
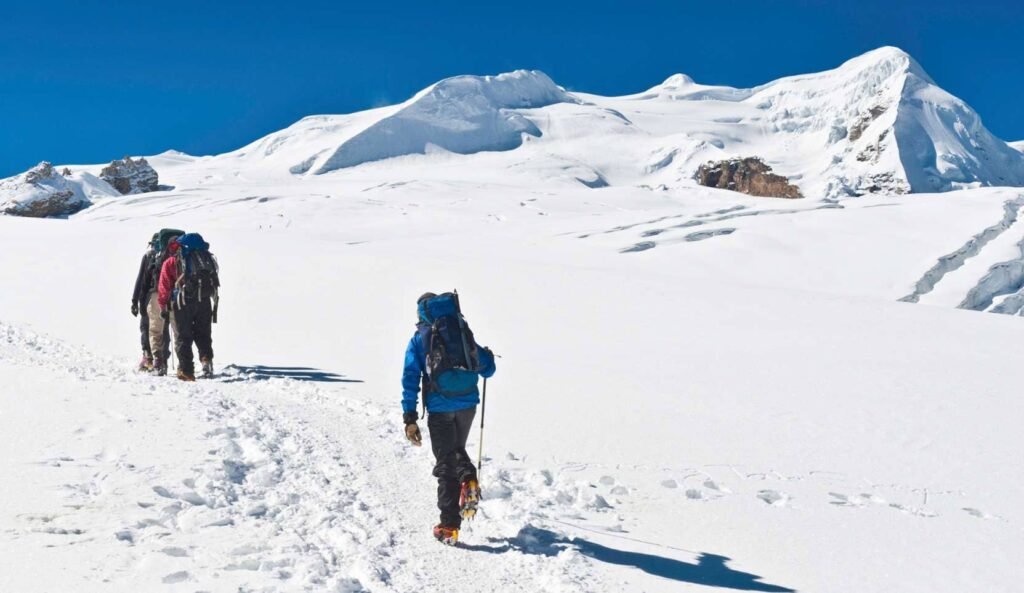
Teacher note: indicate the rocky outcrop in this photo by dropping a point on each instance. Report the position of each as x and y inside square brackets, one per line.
[131, 176]
[746, 175]
[40, 192]
[858, 127]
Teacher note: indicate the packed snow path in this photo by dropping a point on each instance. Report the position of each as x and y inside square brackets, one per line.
[283, 492]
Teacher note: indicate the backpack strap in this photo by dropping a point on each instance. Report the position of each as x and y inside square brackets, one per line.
[462, 330]
[425, 331]
[179, 282]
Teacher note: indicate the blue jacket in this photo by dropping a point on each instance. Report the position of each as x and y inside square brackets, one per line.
[415, 363]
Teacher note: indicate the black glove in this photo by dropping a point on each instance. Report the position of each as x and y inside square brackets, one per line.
[135, 309]
[165, 314]
[410, 417]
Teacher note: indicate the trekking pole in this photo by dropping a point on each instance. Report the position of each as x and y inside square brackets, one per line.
[170, 345]
[483, 411]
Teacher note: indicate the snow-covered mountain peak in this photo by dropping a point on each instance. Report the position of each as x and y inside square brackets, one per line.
[676, 81]
[463, 114]
[879, 123]
[875, 124]
[886, 60]
[520, 89]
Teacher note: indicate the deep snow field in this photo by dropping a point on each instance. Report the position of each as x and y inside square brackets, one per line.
[753, 410]
[698, 390]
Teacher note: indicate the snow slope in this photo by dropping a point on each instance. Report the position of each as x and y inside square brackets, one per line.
[233, 485]
[730, 408]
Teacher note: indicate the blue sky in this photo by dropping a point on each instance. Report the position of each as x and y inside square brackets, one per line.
[83, 83]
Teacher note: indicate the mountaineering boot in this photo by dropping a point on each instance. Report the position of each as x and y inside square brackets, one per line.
[469, 498]
[185, 376]
[146, 364]
[446, 535]
[160, 368]
[207, 368]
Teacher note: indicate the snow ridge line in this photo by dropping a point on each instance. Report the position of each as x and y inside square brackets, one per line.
[1006, 277]
[955, 260]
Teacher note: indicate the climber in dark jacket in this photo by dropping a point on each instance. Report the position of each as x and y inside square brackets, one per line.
[145, 284]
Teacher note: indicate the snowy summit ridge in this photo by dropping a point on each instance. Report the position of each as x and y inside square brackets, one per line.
[876, 124]
[464, 115]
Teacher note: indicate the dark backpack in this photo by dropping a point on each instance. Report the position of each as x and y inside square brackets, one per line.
[163, 237]
[159, 243]
[453, 362]
[198, 272]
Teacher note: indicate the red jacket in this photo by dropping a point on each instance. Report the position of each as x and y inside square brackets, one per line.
[168, 276]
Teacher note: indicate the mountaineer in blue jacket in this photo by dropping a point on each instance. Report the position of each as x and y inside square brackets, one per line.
[451, 396]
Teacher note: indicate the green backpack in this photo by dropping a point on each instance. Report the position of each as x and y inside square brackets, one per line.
[163, 237]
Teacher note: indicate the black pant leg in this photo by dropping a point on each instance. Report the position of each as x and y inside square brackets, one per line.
[203, 327]
[183, 337]
[444, 442]
[464, 468]
[165, 349]
[144, 329]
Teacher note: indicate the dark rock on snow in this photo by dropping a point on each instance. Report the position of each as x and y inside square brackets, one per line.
[746, 175]
[40, 192]
[129, 176]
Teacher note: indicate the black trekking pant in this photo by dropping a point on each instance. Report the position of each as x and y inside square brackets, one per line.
[144, 329]
[193, 323]
[448, 434]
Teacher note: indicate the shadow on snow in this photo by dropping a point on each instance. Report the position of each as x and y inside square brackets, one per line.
[709, 570]
[259, 372]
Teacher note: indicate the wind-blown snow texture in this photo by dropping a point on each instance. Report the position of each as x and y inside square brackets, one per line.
[698, 390]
